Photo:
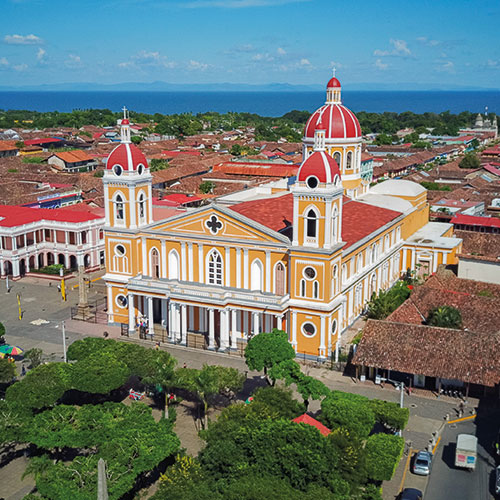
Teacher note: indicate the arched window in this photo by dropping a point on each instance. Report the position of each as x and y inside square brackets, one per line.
[335, 275]
[315, 290]
[398, 233]
[373, 284]
[214, 268]
[279, 279]
[359, 263]
[302, 287]
[142, 208]
[349, 160]
[335, 221]
[256, 275]
[337, 158]
[119, 210]
[358, 295]
[155, 263]
[344, 273]
[173, 265]
[311, 224]
[387, 243]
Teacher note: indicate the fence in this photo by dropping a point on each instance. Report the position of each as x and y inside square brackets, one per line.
[96, 312]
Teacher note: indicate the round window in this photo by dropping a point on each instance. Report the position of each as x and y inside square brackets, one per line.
[140, 169]
[308, 329]
[118, 170]
[309, 273]
[121, 301]
[120, 250]
[334, 327]
[312, 182]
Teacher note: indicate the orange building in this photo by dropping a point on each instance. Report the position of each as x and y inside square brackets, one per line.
[304, 258]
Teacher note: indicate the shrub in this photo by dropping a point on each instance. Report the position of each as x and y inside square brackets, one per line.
[383, 453]
[434, 186]
[99, 173]
[34, 356]
[2, 330]
[470, 160]
[53, 269]
[390, 414]
[32, 159]
[278, 400]
[12, 170]
[445, 317]
[206, 187]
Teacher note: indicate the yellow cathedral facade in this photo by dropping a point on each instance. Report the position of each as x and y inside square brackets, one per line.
[304, 258]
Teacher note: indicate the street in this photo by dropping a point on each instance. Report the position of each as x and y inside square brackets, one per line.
[449, 482]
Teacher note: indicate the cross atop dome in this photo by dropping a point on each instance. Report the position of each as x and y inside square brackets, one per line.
[333, 90]
[125, 127]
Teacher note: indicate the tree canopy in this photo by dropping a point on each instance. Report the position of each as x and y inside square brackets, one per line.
[445, 317]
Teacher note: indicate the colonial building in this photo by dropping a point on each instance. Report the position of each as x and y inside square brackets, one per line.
[304, 257]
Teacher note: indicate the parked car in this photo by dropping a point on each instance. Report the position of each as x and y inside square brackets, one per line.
[411, 494]
[422, 463]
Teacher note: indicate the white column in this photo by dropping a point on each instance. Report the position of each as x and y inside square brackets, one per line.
[413, 259]
[279, 323]
[322, 338]
[150, 315]
[201, 319]
[183, 262]
[164, 313]
[256, 317]
[163, 271]
[183, 324]
[171, 322]
[145, 268]
[27, 264]
[296, 217]
[211, 329]
[110, 303]
[66, 238]
[435, 261]
[294, 330]
[234, 329]
[404, 259]
[201, 277]
[246, 330]
[132, 207]
[190, 261]
[131, 313]
[224, 331]
[106, 205]
[246, 271]
[268, 271]
[227, 267]
[238, 268]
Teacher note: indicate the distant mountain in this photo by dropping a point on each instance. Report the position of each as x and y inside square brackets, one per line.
[233, 87]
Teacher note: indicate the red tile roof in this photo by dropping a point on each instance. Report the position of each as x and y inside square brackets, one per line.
[37, 142]
[473, 220]
[257, 169]
[358, 219]
[8, 146]
[175, 199]
[13, 215]
[73, 156]
[306, 419]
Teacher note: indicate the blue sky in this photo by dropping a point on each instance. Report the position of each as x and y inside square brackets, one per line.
[447, 43]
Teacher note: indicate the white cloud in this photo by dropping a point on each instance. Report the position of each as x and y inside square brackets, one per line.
[144, 59]
[336, 65]
[40, 54]
[427, 41]
[446, 66]
[400, 48]
[281, 51]
[3, 62]
[73, 61]
[492, 64]
[381, 65]
[305, 62]
[196, 65]
[263, 57]
[23, 40]
[21, 67]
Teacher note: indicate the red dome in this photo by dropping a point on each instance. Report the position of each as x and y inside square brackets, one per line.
[338, 121]
[321, 165]
[333, 83]
[125, 121]
[128, 156]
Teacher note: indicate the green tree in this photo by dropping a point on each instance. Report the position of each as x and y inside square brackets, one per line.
[470, 160]
[383, 139]
[311, 388]
[266, 350]
[383, 453]
[7, 370]
[445, 317]
[40, 388]
[279, 401]
[208, 382]
[99, 375]
[34, 356]
[353, 414]
[19, 144]
[207, 187]
[387, 301]
[2, 330]
[99, 173]
[136, 139]
[158, 164]
[236, 150]
[389, 414]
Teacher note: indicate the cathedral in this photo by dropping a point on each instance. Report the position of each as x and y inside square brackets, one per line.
[304, 256]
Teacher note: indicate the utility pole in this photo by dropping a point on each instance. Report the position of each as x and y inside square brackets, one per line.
[102, 488]
[402, 389]
[64, 341]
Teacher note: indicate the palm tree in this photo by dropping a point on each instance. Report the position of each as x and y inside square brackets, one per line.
[445, 317]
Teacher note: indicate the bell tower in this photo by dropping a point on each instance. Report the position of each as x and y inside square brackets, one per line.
[127, 184]
[317, 199]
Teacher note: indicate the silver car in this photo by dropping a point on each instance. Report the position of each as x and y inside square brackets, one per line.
[497, 480]
[422, 463]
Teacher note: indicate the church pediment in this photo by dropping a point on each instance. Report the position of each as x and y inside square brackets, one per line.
[217, 222]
